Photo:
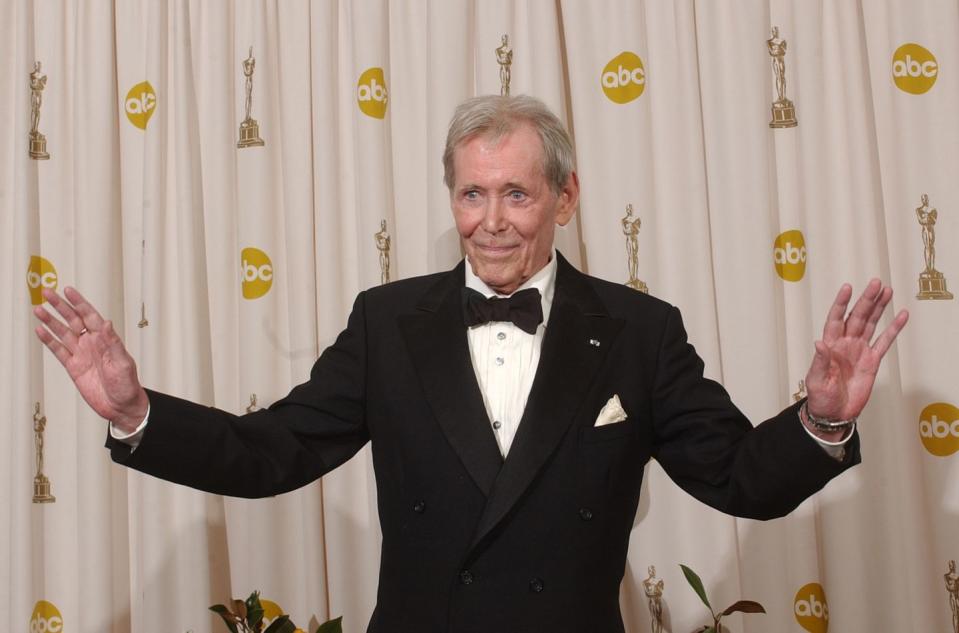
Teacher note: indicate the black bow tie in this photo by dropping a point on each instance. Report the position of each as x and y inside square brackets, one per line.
[523, 309]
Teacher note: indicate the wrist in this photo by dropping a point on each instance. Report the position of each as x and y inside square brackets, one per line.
[129, 420]
[826, 429]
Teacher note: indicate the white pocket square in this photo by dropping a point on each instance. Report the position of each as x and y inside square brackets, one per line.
[611, 413]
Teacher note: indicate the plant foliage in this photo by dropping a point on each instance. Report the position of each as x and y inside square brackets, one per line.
[740, 606]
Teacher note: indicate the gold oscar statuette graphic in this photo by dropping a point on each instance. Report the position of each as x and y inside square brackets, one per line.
[382, 239]
[142, 323]
[41, 485]
[784, 112]
[252, 406]
[504, 57]
[654, 597]
[801, 392]
[932, 283]
[952, 588]
[631, 231]
[38, 142]
[249, 128]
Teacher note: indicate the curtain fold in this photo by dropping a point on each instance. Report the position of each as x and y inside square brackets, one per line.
[227, 270]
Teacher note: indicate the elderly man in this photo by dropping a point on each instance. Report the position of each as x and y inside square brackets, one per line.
[511, 404]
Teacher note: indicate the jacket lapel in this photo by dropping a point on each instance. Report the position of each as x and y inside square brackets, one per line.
[436, 339]
[568, 363]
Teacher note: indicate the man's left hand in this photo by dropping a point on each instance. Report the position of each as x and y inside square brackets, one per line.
[844, 368]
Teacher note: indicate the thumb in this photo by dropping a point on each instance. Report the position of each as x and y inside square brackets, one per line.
[820, 363]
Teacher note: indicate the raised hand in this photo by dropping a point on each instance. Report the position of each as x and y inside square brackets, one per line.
[94, 356]
[844, 368]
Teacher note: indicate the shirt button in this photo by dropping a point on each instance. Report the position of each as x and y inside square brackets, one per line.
[497, 424]
[501, 336]
[419, 507]
[499, 360]
[466, 577]
[536, 585]
[585, 514]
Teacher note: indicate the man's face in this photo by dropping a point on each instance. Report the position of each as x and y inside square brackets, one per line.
[504, 209]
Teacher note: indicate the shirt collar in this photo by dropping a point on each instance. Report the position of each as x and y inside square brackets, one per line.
[544, 280]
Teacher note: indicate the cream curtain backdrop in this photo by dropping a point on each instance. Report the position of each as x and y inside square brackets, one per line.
[151, 222]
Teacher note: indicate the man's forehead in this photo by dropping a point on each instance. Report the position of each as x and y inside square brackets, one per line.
[484, 143]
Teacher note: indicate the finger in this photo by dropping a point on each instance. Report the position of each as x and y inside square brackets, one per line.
[880, 306]
[67, 336]
[63, 307]
[59, 349]
[856, 322]
[885, 340]
[837, 313]
[91, 318]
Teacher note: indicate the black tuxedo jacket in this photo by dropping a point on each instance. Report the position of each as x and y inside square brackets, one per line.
[473, 543]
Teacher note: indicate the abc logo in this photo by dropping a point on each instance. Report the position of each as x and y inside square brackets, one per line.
[271, 611]
[256, 273]
[371, 93]
[623, 78]
[939, 429]
[914, 69]
[140, 103]
[46, 618]
[789, 255]
[40, 274]
[810, 608]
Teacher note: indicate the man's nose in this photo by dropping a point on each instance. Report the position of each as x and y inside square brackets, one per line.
[494, 219]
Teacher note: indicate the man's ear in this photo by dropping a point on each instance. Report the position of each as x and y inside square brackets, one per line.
[568, 199]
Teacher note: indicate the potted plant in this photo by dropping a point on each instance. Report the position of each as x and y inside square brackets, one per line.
[247, 617]
[742, 606]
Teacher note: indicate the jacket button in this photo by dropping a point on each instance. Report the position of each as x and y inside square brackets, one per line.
[536, 585]
[419, 507]
[585, 514]
[466, 577]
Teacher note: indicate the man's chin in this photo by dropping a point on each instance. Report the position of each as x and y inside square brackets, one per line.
[503, 282]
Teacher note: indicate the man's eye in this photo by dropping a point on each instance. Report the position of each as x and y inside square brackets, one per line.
[517, 195]
[471, 195]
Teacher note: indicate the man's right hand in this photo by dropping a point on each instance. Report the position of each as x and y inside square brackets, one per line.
[95, 357]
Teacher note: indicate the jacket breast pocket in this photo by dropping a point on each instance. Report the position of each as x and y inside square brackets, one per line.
[608, 432]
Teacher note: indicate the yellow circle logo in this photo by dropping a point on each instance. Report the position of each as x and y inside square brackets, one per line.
[789, 255]
[46, 618]
[624, 78]
[271, 611]
[256, 273]
[810, 608]
[40, 274]
[140, 103]
[914, 69]
[939, 429]
[371, 93]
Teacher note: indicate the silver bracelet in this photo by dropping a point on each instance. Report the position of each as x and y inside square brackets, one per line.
[827, 425]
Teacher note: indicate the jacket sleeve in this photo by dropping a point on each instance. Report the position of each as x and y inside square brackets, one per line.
[709, 448]
[319, 425]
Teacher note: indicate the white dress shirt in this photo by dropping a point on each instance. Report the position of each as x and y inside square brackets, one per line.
[505, 357]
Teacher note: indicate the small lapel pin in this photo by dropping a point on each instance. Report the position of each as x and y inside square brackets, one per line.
[594, 342]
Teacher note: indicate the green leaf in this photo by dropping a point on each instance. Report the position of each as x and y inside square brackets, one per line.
[709, 629]
[281, 625]
[744, 606]
[333, 626]
[227, 616]
[693, 579]
[254, 611]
